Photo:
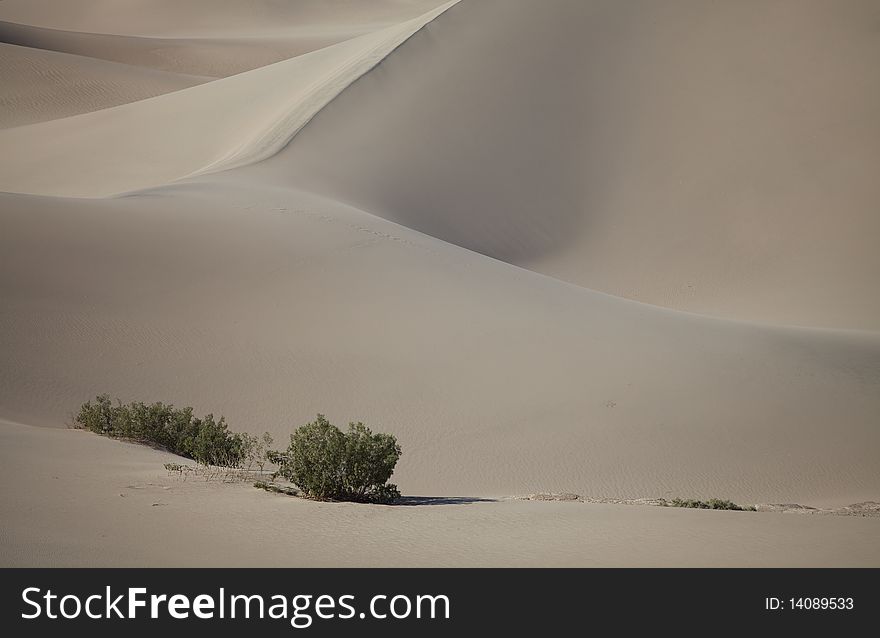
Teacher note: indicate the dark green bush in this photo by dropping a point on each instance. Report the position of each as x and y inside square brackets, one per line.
[711, 504]
[206, 440]
[328, 464]
[322, 461]
[256, 450]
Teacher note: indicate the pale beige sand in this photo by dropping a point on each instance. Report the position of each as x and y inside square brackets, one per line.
[212, 57]
[221, 124]
[43, 85]
[734, 147]
[202, 37]
[103, 502]
[598, 174]
[245, 293]
[268, 306]
[213, 18]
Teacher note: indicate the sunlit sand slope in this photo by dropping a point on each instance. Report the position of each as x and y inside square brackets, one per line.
[715, 158]
[43, 85]
[269, 306]
[218, 125]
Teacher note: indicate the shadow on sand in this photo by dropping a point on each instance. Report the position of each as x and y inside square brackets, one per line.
[440, 500]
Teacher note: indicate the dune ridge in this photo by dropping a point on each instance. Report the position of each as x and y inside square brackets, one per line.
[294, 117]
[209, 57]
[711, 142]
[191, 19]
[43, 85]
[269, 306]
[166, 138]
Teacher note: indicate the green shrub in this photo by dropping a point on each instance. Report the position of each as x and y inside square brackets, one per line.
[327, 464]
[322, 461]
[98, 416]
[711, 504]
[256, 450]
[207, 440]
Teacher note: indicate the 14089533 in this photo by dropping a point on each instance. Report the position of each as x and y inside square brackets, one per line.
[805, 603]
[822, 603]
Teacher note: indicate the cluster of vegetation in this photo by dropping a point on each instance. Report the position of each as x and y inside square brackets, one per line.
[322, 461]
[206, 440]
[711, 504]
[329, 464]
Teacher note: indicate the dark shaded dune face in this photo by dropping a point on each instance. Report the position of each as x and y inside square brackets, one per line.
[716, 158]
[467, 138]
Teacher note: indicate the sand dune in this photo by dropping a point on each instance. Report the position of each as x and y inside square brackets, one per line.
[156, 141]
[213, 18]
[270, 305]
[44, 85]
[210, 57]
[601, 174]
[714, 143]
[418, 227]
[201, 38]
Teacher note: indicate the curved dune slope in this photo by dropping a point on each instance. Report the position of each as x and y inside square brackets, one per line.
[213, 18]
[721, 159]
[221, 124]
[209, 56]
[201, 37]
[268, 305]
[44, 85]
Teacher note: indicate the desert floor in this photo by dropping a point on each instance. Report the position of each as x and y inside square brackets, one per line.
[623, 250]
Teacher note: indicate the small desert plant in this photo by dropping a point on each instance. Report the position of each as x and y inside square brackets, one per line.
[321, 460]
[256, 450]
[711, 504]
[207, 440]
[328, 464]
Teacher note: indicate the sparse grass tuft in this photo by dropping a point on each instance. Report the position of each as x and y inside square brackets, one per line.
[711, 504]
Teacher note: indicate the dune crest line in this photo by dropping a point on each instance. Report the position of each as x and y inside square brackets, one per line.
[222, 124]
[319, 94]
